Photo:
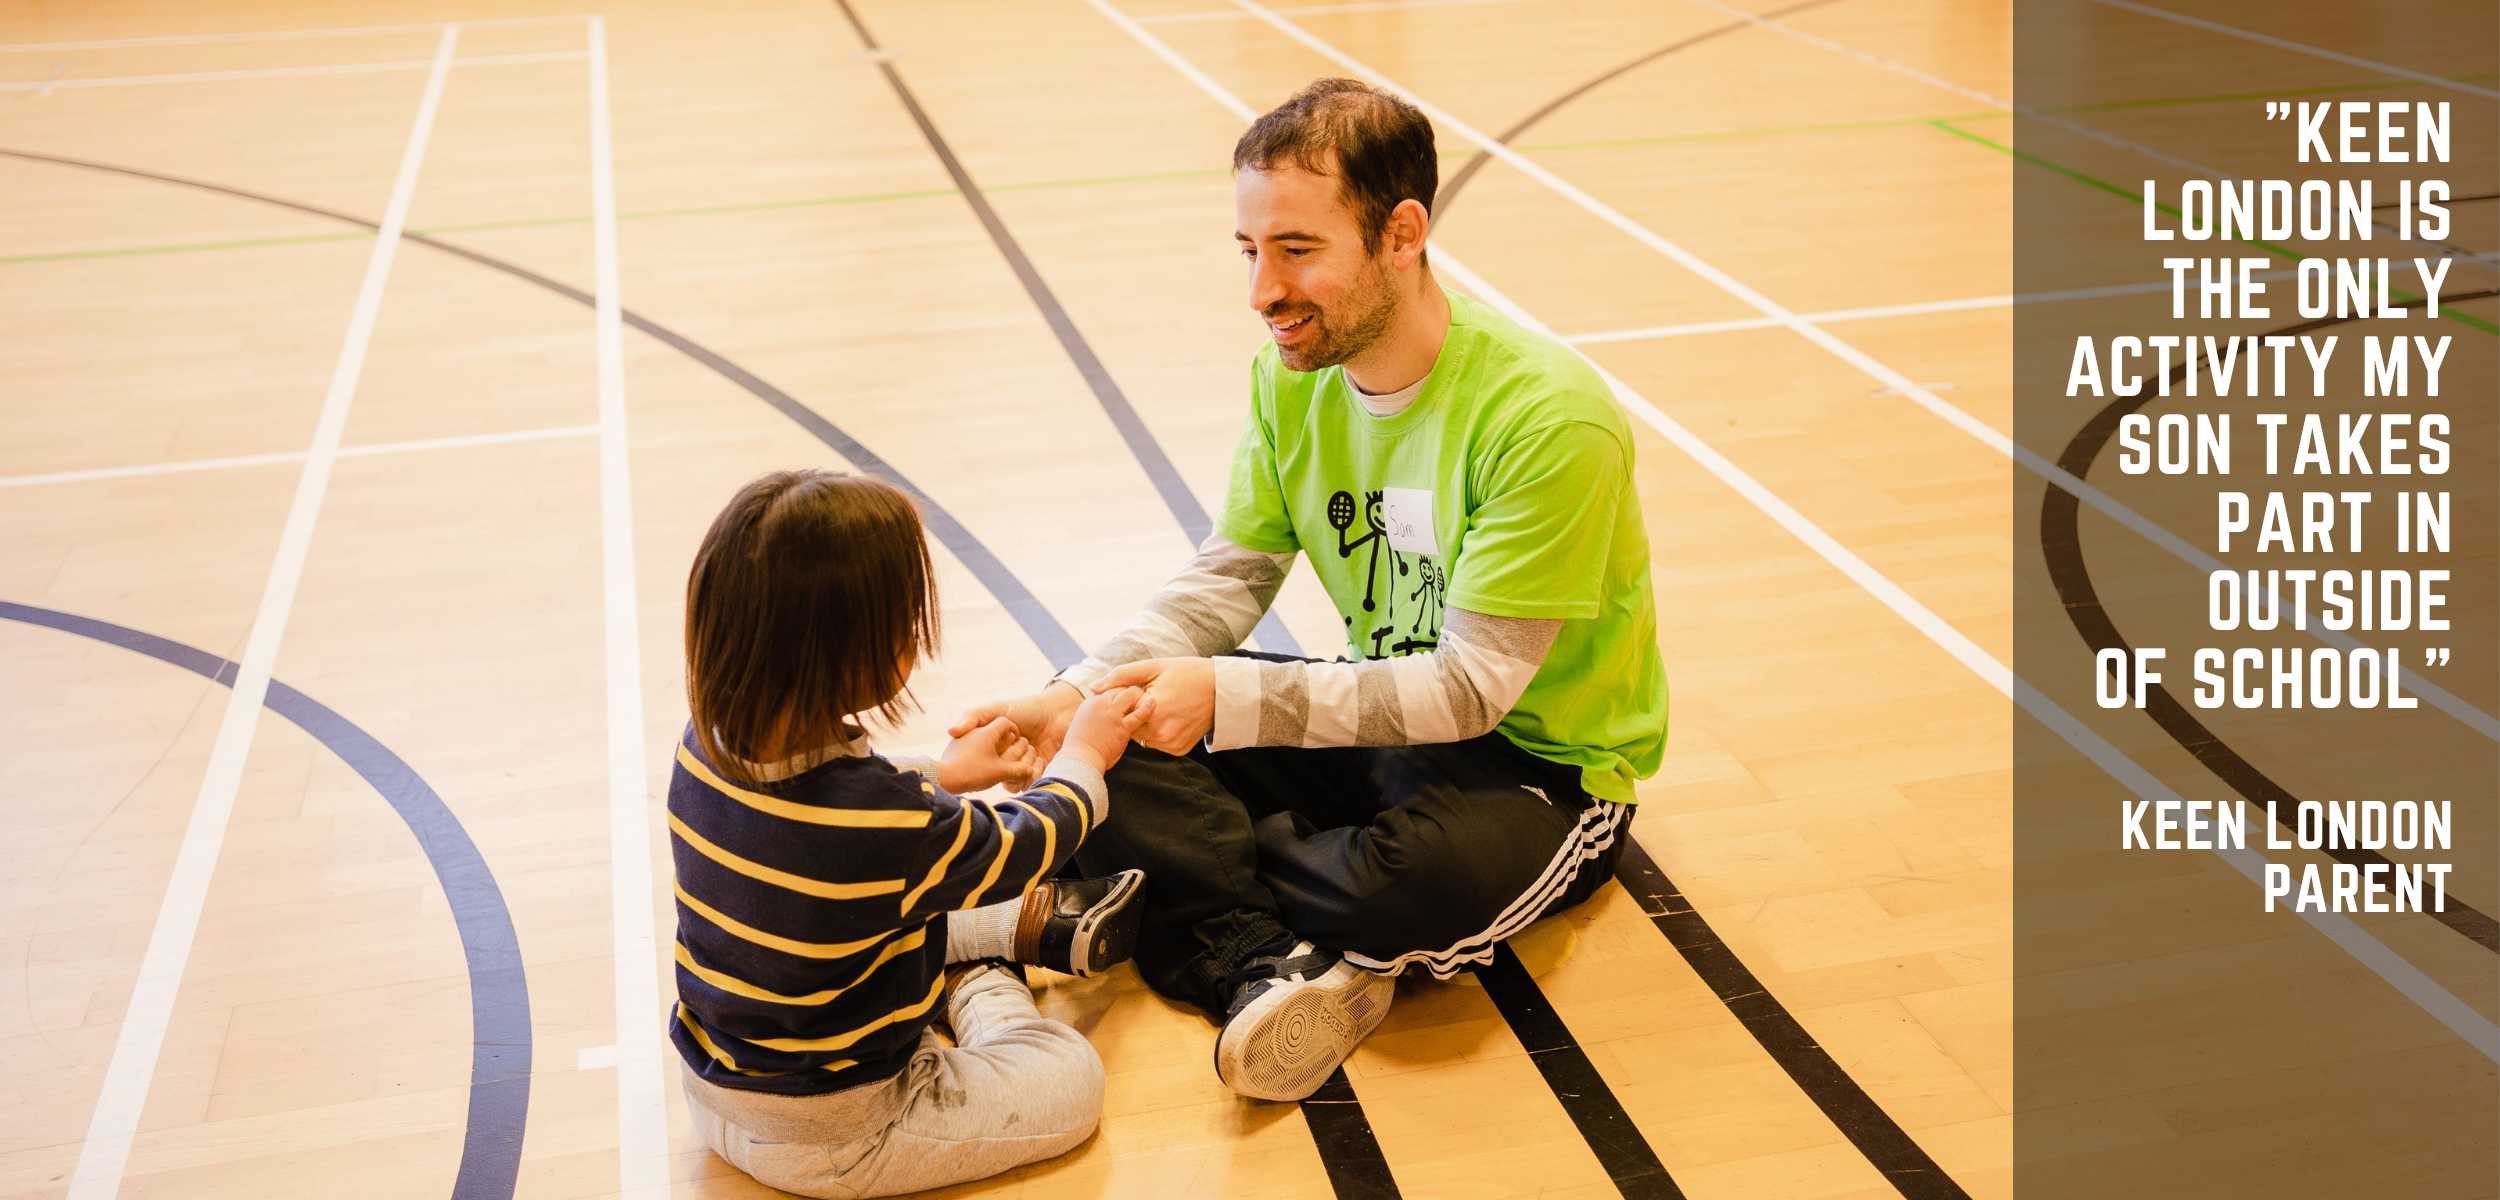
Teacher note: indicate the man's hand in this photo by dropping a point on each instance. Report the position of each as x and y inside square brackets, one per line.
[1042, 718]
[992, 753]
[1183, 690]
[1100, 734]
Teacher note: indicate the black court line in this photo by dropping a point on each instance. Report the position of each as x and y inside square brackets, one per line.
[1357, 1168]
[1592, 1106]
[1115, 404]
[1347, 1149]
[1858, 1117]
[1037, 622]
[2061, 541]
[1885, 1145]
[1864, 1122]
[1449, 191]
[499, 1001]
[1574, 1080]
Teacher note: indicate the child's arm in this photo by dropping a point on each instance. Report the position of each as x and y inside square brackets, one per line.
[990, 755]
[977, 852]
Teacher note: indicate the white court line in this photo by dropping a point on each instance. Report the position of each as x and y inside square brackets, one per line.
[115, 1121]
[1881, 312]
[2298, 48]
[369, 450]
[641, 1101]
[2438, 697]
[363, 68]
[2406, 978]
[2024, 111]
[1363, 6]
[275, 35]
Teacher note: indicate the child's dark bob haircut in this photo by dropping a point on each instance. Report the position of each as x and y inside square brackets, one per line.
[811, 600]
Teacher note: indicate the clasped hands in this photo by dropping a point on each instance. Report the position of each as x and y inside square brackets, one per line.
[1165, 703]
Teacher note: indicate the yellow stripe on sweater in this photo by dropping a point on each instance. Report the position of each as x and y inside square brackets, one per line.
[841, 1041]
[1050, 841]
[819, 888]
[722, 1057]
[773, 941]
[847, 818]
[1084, 811]
[963, 833]
[998, 861]
[738, 987]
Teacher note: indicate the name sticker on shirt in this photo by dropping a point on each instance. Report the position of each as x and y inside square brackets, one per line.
[1407, 513]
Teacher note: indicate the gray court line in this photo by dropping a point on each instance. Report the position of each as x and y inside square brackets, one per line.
[499, 1001]
[1038, 623]
[2299, 48]
[498, 1102]
[1886, 1146]
[2030, 112]
[1459, 178]
[1115, 405]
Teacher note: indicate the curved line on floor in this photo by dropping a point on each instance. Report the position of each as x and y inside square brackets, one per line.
[1458, 180]
[1045, 630]
[499, 1000]
[2061, 543]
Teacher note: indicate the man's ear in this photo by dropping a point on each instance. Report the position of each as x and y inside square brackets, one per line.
[1409, 224]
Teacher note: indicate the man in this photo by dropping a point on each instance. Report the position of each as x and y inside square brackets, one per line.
[1464, 490]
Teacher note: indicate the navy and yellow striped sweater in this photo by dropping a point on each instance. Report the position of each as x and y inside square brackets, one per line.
[810, 949]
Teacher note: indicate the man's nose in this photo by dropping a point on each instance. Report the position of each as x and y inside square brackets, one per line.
[1267, 287]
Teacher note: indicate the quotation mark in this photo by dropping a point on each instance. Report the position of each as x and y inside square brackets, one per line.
[2436, 656]
[2278, 110]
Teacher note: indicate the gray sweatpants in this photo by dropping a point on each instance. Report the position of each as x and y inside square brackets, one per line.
[1016, 1088]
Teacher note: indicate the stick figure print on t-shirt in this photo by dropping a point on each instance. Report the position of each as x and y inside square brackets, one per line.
[1380, 596]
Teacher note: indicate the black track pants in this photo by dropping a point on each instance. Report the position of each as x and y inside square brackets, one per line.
[1395, 856]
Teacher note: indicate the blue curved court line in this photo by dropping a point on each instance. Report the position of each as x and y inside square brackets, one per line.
[499, 1002]
[1044, 629]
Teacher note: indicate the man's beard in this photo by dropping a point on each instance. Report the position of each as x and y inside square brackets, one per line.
[1341, 336]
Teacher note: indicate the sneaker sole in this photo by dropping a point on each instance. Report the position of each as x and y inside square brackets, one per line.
[1315, 1029]
[1106, 935]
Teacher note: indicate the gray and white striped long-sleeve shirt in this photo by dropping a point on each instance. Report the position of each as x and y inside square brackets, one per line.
[1460, 689]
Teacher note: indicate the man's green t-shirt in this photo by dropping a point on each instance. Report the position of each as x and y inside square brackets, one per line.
[1505, 488]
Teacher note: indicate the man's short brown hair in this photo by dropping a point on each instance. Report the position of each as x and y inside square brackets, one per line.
[810, 600]
[1378, 147]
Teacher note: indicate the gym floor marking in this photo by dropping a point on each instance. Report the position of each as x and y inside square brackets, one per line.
[1549, 1045]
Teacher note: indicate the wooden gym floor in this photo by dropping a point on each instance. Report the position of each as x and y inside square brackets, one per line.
[343, 569]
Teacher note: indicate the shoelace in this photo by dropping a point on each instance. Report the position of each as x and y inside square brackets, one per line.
[1253, 978]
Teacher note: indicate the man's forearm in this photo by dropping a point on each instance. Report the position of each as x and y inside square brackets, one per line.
[1207, 609]
[1461, 689]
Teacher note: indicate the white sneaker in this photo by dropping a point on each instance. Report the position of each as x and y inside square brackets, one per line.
[1294, 1018]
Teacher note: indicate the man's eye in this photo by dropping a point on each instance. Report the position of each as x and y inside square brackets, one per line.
[1297, 251]
[1249, 252]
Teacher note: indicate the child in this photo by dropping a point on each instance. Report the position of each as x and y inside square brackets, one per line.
[832, 902]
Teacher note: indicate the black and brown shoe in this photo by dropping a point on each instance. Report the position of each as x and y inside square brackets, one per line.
[1081, 926]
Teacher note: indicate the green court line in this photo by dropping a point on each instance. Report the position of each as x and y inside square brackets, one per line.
[1765, 131]
[2135, 196]
[846, 200]
[1758, 131]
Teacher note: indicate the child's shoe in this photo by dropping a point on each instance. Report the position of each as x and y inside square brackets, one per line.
[1081, 926]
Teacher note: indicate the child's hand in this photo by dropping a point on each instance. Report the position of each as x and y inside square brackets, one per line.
[1104, 724]
[990, 754]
